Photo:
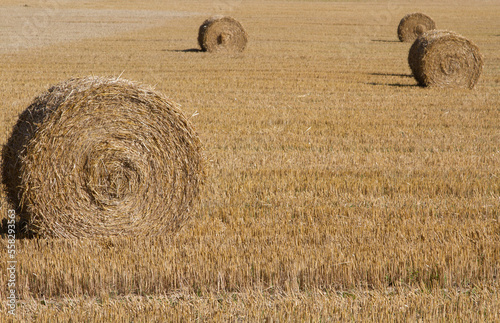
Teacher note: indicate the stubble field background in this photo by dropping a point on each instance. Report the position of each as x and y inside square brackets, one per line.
[337, 189]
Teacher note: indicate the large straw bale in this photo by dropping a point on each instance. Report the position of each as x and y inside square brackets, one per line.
[222, 34]
[95, 157]
[413, 25]
[443, 58]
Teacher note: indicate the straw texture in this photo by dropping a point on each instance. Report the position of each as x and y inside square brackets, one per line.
[413, 25]
[443, 58]
[96, 157]
[222, 34]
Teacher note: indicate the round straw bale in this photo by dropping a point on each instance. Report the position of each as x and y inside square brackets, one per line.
[445, 59]
[413, 25]
[96, 157]
[222, 34]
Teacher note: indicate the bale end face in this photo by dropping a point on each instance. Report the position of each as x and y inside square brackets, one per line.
[440, 58]
[98, 157]
[222, 34]
[413, 25]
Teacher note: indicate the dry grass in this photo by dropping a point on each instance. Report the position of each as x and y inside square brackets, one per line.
[338, 188]
[393, 305]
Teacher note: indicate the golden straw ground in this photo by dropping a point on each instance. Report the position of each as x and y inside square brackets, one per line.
[222, 34]
[413, 25]
[95, 157]
[338, 190]
[445, 59]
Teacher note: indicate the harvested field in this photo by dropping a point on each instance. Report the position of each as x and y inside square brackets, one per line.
[337, 188]
[26, 27]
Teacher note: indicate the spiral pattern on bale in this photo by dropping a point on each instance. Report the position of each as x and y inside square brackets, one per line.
[443, 58]
[97, 157]
[222, 34]
[413, 25]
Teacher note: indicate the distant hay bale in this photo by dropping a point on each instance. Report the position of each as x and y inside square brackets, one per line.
[97, 157]
[222, 34]
[413, 25]
[442, 58]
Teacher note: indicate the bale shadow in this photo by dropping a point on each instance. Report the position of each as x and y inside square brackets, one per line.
[190, 50]
[12, 155]
[21, 230]
[385, 41]
[393, 84]
[391, 74]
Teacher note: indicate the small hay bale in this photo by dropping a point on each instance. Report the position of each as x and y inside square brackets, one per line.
[98, 157]
[413, 25]
[222, 34]
[443, 58]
